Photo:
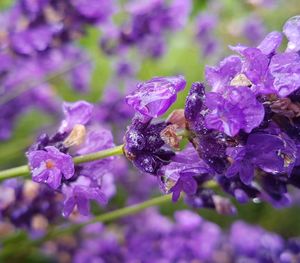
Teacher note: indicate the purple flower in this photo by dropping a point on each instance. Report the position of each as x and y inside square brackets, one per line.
[285, 69]
[255, 65]
[79, 112]
[291, 29]
[220, 76]
[50, 165]
[79, 193]
[180, 175]
[94, 179]
[254, 242]
[182, 7]
[195, 102]
[28, 41]
[28, 205]
[113, 110]
[241, 165]
[154, 17]
[255, 71]
[77, 135]
[93, 9]
[153, 98]
[270, 43]
[146, 27]
[33, 8]
[145, 147]
[277, 152]
[272, 153]
[254, 29]
[80, 77]
[236, 110]
[210, 144]
[206, 24]
[194, 238]
[153, 46]
[187, 220]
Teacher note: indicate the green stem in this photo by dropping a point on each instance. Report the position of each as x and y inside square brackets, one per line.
[119, 213]
[24, 169]
[14, 172]
[118, 150]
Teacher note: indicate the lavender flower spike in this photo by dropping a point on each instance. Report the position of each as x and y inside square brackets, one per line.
[153, 98]
[50, 165]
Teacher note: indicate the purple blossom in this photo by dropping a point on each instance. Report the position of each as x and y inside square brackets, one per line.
[237, 109]
[75, 113]
[145, 147]
[291, 29]
[270, 43]
[277, 152]
[254, 242]
[153, 17]
[113, 110]
[180, 175]
[255, 68]
[154, 97]
[96, 243]
[28, 205]
[29, 41]
[80, 75]
[146, 28]
[210, 145]
[254, 29]
[255, 72]
[94, 178]
[241, 165]
[193, 237]
[79, 193]
[93, 9]
[220, 76]
[149, 236]
[182, 7]
[50, 165]
[77, 135]
[285, 68]
[206, 24]
[275, 155]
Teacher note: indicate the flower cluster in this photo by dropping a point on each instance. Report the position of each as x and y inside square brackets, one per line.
[50, 160]
[35, 45]
[205, 34]
[244, 131]
[151, 237]
[28, 205]
[144, 144]
[246, 127]
[146, 28]
[235, 135]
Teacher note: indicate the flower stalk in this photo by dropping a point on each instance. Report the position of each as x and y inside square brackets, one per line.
[24, 169]
[118, 150]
